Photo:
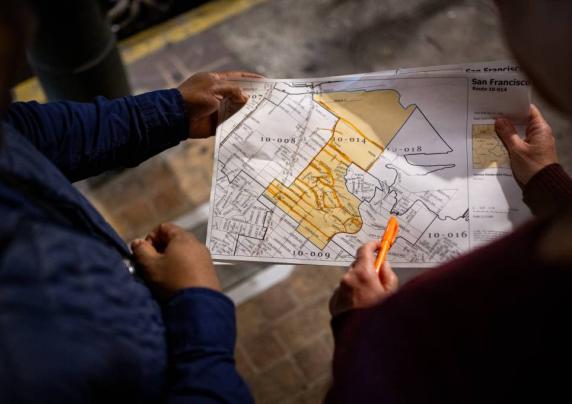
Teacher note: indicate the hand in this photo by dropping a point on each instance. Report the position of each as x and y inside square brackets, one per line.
[170, 260]
[361, 287]
[203, 94]
[531, 154]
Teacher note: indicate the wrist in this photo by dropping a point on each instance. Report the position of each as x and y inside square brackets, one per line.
[180, 95]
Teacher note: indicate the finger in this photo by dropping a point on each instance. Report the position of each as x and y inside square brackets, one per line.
[230, 91]
[365, 258]
[152, 236]
[367, 251]
[237, 75]
[387, 277]
[537, 125]
[508, 134]
[144, 252]
[166, 232]
[535, 116]
[156, 241]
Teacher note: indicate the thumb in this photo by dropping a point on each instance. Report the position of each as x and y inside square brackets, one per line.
[535, 116]
[508, 134]
[144, 252]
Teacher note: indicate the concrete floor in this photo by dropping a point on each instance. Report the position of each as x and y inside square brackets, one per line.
[326, 37]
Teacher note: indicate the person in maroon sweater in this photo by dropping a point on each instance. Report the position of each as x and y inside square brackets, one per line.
[490, 326]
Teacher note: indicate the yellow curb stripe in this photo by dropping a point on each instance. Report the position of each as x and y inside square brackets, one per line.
[153, 39]
[182, 27]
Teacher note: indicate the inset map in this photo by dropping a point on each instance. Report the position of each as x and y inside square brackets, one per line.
[488, 150]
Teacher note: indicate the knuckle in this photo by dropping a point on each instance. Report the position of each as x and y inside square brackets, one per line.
[346, 278]
[170, 228]
[363, 276]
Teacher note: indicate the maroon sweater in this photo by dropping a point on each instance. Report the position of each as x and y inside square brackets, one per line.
[491, 326]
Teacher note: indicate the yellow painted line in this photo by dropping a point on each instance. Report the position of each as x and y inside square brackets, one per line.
[156, 38]
[182, 27]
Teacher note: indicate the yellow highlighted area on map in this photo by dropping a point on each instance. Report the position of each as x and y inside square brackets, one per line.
[488, 150]
[375, 115]
[318, 198]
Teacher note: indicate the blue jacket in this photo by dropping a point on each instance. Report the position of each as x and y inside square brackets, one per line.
[75, 326]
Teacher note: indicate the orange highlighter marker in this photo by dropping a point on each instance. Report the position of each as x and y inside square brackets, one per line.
[387, 241]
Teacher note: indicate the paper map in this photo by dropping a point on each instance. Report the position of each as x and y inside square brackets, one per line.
[311, 169]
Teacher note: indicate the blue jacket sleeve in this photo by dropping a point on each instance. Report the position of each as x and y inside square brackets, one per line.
[85, 139]
[201, 333]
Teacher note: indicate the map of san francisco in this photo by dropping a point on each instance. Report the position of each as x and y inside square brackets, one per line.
[306, 172]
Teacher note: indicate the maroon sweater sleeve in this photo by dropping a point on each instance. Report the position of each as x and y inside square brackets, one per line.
[549, 190]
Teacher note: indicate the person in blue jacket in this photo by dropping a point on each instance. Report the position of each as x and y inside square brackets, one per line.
[75, 325]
